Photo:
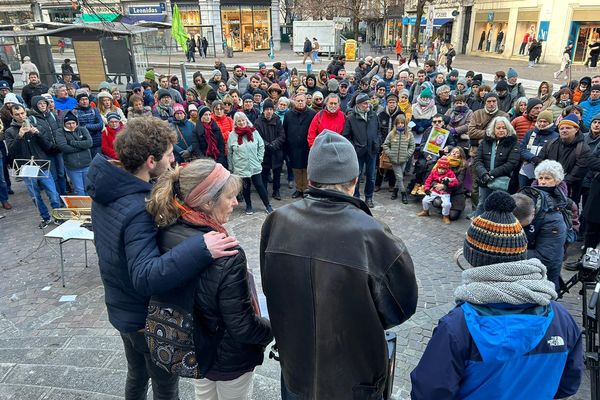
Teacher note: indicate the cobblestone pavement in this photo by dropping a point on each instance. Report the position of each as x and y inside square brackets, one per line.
[68, 350]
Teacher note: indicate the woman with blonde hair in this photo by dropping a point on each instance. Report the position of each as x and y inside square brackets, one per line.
[106, 105]
[197, 199]
[399, 146]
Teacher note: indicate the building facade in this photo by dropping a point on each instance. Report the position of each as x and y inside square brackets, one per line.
[451, 22]
[243, 25]
[505, 28]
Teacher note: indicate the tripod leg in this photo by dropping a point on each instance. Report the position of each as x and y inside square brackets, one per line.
[62, 263]
[85, 251]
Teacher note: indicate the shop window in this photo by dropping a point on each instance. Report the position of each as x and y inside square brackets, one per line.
[525, 32]
[588, 33]
[262, 27]
[190, 14]
[231, 25]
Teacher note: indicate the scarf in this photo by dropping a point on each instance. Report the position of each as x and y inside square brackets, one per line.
[212, 150]
[455, 162]
[490, 112]
[198, 217]
[245, 131]
[516, 282]
[361, 114]
[164, 111]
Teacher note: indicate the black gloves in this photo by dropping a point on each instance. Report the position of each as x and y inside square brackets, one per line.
[485, 179]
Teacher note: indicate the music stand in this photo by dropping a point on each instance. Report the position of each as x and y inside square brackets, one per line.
[31, 168]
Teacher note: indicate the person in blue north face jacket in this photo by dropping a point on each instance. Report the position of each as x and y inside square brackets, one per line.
[506, 339]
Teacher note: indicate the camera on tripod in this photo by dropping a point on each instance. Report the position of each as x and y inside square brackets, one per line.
[590, 266]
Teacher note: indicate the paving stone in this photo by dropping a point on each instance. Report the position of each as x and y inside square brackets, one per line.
[20, 392]
[48, 356]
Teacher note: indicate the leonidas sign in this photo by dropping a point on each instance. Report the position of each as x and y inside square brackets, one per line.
[147, 9]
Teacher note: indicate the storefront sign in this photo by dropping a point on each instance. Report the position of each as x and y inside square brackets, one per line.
[490, 16]
[101, 9]
[543, 30]
[147, 9]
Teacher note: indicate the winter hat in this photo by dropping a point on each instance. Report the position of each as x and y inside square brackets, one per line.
[532, 103]
[496, 236]
[150, 75]
[586, 80]
[478, 77]
[268, 103]
[101, 95]
[511, 73]
[192, 107]
[4, 85]
[262, 65]
[69, 116]
[404, 92]
[113, 115]
[26, 58]
[135, 85]
[215, 72]
[443, 163]
[332, 159]
[426, 93]
[490, 94]
[391, 96]
[11, 98]
[163, 93]
[361, 98]
[318, 94]
[463, 81]
[571, 120]
[595, 87]
[80, 94]
[594, 118]
[203, 111]
[247, 96]
[344, 82]
[178, 108]
[453, 73]
[333, 85]
[47, 96]
[501, 86]
[380, 84]
[104, 85]
[546, 115]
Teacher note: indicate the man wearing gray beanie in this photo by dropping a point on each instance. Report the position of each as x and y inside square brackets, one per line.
[326, 263]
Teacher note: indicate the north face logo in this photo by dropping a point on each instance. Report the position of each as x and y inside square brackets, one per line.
[556, 341]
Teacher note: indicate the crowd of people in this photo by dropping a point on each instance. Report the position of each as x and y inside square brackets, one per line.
[434, 136]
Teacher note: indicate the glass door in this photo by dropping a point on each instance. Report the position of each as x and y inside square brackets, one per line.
[581, 45]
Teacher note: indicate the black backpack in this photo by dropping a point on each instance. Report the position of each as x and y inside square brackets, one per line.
[545, 203]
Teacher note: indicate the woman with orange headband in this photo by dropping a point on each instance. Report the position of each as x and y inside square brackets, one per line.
[229, 335]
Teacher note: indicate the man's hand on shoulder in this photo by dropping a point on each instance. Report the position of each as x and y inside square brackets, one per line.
[219, 243]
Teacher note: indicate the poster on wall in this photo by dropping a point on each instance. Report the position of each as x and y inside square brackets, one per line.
[543, 30]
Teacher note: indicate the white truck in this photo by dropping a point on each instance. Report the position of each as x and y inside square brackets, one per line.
[324, 31]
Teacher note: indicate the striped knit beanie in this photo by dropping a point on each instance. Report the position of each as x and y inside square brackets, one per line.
[495, 236]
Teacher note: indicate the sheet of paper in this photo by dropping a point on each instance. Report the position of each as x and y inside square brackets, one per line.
[67, 297]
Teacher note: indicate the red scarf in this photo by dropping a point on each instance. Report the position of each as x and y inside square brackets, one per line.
[245, 131]
[198, 217]
[212, 150]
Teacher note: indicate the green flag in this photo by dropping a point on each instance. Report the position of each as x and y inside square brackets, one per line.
[177, 30]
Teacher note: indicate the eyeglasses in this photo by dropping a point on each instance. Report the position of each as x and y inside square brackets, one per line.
[218, 108]
[437, 121]
[227, 104]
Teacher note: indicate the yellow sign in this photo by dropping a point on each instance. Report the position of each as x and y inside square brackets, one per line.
[350, 50]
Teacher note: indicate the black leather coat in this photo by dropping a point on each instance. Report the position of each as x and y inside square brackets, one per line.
[233, 336]
[332, 292]
[296, 124]
[271, 131]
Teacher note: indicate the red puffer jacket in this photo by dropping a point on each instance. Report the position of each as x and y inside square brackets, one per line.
[326, 120]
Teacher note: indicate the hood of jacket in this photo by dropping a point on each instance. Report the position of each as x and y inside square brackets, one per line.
[107, 181]
[503, 332]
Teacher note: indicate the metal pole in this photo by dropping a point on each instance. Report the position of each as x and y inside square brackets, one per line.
[62, 262]
[183, 74]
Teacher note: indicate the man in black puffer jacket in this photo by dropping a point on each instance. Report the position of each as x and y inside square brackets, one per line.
[48, 122]
[330, 300]
[271, 131]
[131, 266]
[571, 151]
[90, 119]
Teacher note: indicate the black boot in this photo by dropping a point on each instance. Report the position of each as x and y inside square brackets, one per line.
[395, 194]
[404, 198]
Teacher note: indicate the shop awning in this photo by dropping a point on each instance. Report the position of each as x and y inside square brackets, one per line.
[133, 19]
[100, 17]
[437, 22]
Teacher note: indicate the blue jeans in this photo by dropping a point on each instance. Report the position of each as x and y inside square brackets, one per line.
[3, 187]
[34, 186]
[77, 178]
[366, 163]
[484, 192]
[57, 167]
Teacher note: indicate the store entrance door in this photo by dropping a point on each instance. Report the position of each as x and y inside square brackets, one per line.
[580, 48]
[247, 38]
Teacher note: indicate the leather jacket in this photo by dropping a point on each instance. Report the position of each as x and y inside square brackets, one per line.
[335, 278]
